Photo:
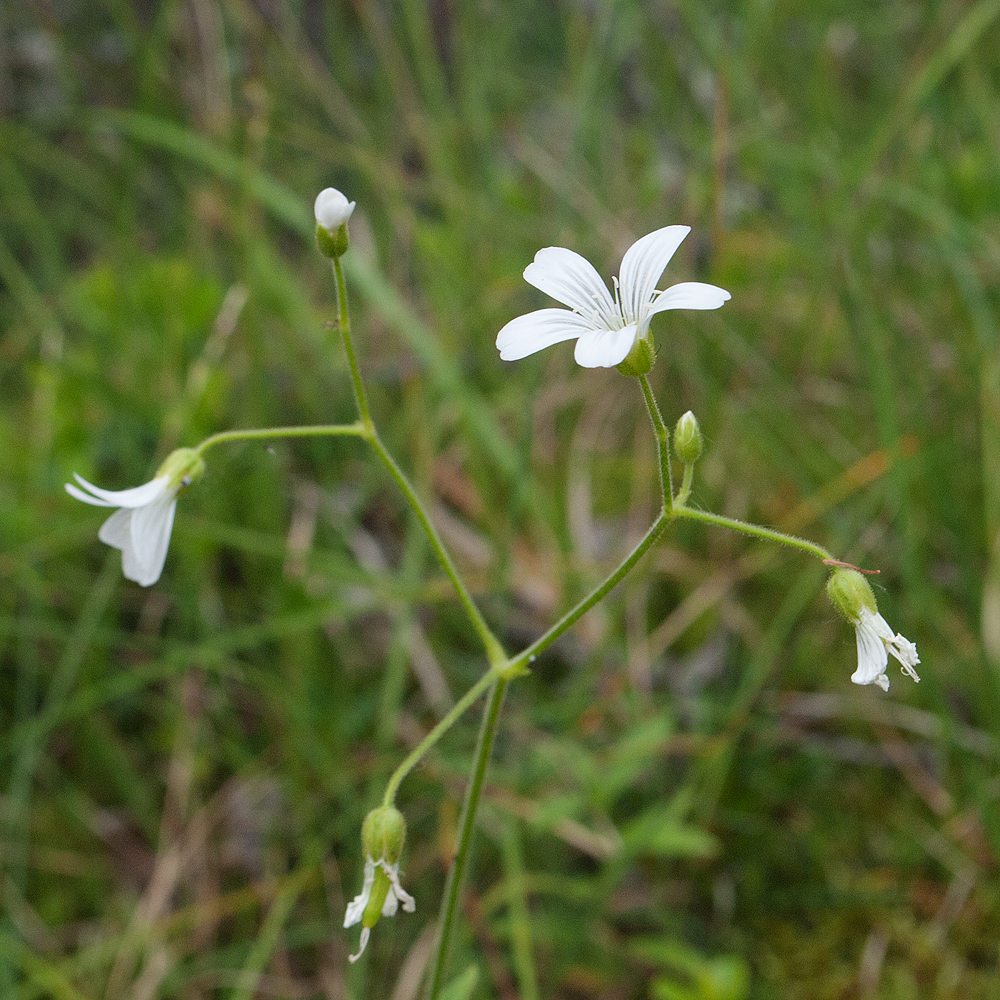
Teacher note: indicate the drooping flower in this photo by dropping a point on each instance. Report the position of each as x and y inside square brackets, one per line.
[141, 526]
[383, 834]
[605, 328]
[395, 896]
[853, 597]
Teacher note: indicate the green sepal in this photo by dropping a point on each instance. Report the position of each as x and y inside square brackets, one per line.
[182, 467]
[332, 245]
[850, 592]
[383, 834]
[639, 360]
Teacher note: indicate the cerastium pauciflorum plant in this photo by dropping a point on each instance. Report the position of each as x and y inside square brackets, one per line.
[610, 330]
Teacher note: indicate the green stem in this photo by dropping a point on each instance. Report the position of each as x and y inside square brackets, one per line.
[456, 873]
[316, 430]
[685, 491]
[752, 529]
[572, 616]
[662, 443]
[352, 361]
[465, 702]
[494, 651]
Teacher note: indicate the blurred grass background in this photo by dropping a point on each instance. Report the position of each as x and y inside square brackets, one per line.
[689, 798]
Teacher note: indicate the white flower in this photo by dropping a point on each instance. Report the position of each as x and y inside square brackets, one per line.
[332, 209]
[604, 328]
[875, 641]
[396, 896]
[140, 528]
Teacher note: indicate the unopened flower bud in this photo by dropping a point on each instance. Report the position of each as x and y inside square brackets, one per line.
[688, 442]
[332, 210]
[182, 467]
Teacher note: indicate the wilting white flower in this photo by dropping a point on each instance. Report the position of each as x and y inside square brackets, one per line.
[332, 209]
[604, 328]
[396, 896]
[140, 527]
[875, 641]
[142, 524]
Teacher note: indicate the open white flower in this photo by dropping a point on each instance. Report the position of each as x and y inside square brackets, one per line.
[395, 897]
[332, 209]
[875, 641]
[140, 527]
[604, 328]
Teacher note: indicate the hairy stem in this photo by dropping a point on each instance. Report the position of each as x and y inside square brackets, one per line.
[263, 433]
[662, 443]
[768, 534]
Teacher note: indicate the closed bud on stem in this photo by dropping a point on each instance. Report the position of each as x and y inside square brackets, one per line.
[332, 211]
[182, 468]
[688, 442]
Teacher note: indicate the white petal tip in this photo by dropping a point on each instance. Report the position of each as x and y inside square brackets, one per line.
[365, 934]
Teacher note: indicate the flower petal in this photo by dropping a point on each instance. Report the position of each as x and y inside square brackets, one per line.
[872, 657]
[604, 348]
[365, 935]
[150, 536]
[396, 893]
[537, 330]
[642, 266]
[116, 530]
[138, 496]
[690, 295]
[74, 491]
[356, 908]
[572, 280]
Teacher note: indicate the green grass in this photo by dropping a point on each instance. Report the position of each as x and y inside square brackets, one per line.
[688, 795]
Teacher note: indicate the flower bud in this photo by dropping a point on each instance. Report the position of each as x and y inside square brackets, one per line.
[640, 359]
[182, 468]
[850, 592]
[332, 210]
[383, 834]
[688, 442]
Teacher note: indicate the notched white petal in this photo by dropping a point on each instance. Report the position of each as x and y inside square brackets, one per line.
[537, 330]
[604, 348]
[572, 280]
[690, 295]
[138, 496]
[643, 264]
